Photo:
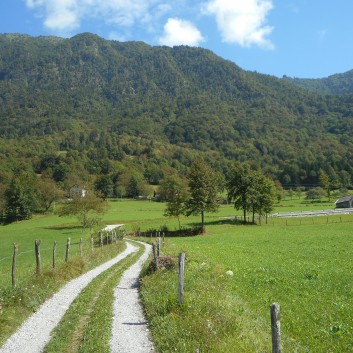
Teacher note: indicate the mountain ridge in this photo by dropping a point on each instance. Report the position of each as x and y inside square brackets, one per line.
[186, 98]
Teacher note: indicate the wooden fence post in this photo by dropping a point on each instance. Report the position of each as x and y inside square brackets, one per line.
[181, 277]
[155, 255]
[92, 243]
[13, 273]
[54, 254]
[101, 239]
[80, 247]
[67, 249]
[159, 247]
[37, 252]
[276, 328]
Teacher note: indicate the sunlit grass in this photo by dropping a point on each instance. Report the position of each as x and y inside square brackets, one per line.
[307, 269]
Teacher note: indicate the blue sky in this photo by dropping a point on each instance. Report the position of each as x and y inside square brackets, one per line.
[298, 38]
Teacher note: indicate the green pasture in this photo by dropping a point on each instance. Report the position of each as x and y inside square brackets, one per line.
[302, 263]
[306, 268]
[47, 229]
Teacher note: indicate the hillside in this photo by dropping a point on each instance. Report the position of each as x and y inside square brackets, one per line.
[334, 84]
[91, 104]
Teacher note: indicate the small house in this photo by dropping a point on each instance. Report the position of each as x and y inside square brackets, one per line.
[77, 191]
[345, 202]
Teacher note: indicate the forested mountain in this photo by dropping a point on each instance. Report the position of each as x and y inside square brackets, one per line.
[98, 107]
[334, 84]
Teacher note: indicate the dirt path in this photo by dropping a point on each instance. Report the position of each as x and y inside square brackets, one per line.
[130, 332]
[35, 332]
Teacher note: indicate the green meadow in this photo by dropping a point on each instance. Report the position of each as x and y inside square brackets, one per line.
[304, 264]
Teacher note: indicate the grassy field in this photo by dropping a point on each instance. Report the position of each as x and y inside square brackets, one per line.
[304, 264]
[306, 267]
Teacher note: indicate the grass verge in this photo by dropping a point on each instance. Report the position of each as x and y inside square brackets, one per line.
[16, 304]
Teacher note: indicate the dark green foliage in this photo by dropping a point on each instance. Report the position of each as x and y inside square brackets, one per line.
[88, 209]
[204, 186]
[20, 197]
[86, 105]
[251, 191]
[104, 185]
[336, 84]
[174, 190]
[315, 193]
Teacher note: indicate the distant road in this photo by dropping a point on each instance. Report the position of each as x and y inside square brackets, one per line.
[337, 211]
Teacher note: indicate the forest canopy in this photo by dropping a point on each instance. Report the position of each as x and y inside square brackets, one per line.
[128, 114]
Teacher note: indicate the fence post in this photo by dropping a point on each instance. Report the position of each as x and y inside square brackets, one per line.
[159, 247]
[276, 328]
[67, 249]
[92, 243]
[80, 247]
[54, 254]
[155, 255]
[13, 273]
[37, 252]
[181, 277]
[101, 239]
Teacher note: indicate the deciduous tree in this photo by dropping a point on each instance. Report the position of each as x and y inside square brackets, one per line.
[87, 209]
[204, 186]
[174, 190]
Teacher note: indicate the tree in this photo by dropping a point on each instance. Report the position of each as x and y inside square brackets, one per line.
[204, 186]
[299, 191]
[315, 193]
[174, 190]
[48, 193]
[104, 185]
[21, 197]
[87, 209]
[252, 191]
[137, 187]
[265, 195]
[240, 187]
[325, 182]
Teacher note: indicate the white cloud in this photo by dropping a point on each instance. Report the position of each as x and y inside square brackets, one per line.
[66, 15]
[242, 21]
[180, 32]
[59, 15]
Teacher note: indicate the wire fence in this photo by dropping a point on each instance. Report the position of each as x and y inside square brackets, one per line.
[294, 219]
[16, 268]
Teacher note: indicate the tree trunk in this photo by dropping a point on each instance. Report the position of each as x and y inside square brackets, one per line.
[179, 223]
[202, 222]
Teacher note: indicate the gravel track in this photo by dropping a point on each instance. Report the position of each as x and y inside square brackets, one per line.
[130, 332]
[35, 332]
